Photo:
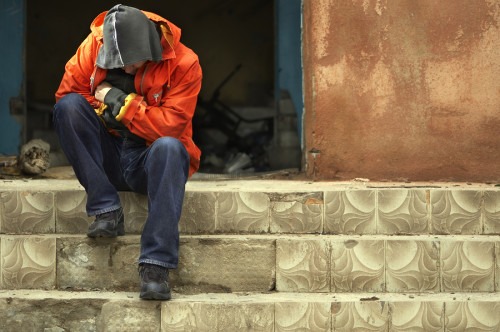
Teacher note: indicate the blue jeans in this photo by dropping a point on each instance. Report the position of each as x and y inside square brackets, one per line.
[105, 164]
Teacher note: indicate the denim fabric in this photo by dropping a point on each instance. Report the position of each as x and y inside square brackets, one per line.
[105, 164]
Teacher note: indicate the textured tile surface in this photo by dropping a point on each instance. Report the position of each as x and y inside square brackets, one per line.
[84, 263]
[302, 265]
[135, 211]
[129, 316]
[26, 212]
[358, 266]
[497, 274]
[403, 212]
[28, 262]
[350, 212]
[208, 317]
[198, 213]
[472, 316]
[492, 212]
[71, 215]
[417, 316]
[467, 266]
[41, 314]
[412, 266]
[297, 213]
[242, 212]
[456, 212]
[305, 316]
[226, 264]
[360, 316]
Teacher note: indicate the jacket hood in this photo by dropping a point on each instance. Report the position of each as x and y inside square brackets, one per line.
[130, 35]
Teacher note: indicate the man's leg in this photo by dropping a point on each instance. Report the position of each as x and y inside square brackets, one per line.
[94, 155]
[161, 171]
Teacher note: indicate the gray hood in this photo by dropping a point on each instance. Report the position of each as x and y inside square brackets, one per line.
[129, 37]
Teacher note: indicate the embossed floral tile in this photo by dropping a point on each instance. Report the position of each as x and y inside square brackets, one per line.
[303, 316]
[377, 211]
[456, 211]
[403, 211]
[497, 275]
[492, 212]
[302, 265]
[28, 263]
[468, 266]
[358, 266]
[135, 211]
[417, 316]
[71, 215]
[350, 212]
[27, 212]
[242, 212]
[296, 213]
[412, 266]
[360, 316]
[472, 316]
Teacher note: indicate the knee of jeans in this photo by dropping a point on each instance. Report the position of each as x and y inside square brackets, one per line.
[71, 109]
[69, 101]
[67, 106]
[169, 145]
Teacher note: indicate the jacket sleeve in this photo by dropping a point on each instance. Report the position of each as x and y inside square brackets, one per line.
[78, 72]
[175, 112]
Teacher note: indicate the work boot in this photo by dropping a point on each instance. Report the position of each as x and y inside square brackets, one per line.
[108, 224]
[154, 282]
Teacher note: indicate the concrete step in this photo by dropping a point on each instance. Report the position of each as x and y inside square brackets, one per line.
[282, 262]
[116, 311]
[46, 206]
[259, 255]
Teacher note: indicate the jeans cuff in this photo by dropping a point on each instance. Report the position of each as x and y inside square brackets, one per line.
[109, 209]
[156, 262]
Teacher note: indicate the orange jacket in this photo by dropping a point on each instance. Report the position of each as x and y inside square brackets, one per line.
[167, 91]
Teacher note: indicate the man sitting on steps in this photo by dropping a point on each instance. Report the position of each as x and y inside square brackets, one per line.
[123, 115]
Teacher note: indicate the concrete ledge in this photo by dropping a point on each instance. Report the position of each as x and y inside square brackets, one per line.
[252, 185]
[82, 311]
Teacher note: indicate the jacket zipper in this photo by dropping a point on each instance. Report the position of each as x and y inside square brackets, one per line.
[142, 80]
[156, 95]
[92, 79]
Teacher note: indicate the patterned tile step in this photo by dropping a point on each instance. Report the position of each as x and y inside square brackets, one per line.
[272, 207]
[286, 263]
[101, 311]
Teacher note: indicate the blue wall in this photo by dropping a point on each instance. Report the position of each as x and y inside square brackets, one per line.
[289, 53]
[12, 23]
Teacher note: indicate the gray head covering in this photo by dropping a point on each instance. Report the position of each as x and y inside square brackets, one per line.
[129, 37]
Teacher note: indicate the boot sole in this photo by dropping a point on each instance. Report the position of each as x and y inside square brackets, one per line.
[104, 232]
[151, 295]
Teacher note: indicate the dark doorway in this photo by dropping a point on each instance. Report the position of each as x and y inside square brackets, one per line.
[236, 43]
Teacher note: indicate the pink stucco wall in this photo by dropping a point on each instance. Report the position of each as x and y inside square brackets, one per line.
[402, 90]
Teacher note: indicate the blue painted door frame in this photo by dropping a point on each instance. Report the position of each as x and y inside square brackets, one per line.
[288, 68]
[12, 69]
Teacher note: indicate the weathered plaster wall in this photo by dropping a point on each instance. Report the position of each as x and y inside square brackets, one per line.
[402, 89]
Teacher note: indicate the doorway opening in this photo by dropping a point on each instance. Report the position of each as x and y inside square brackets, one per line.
[248, 118]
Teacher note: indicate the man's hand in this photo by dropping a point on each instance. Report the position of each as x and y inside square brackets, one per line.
[114, 99]
[101, 91]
